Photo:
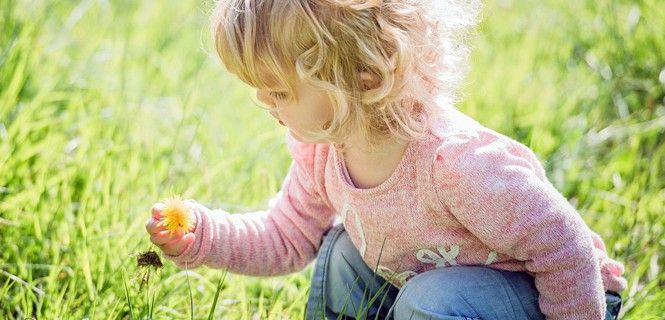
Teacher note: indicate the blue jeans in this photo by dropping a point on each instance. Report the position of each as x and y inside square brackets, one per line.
[343, 287]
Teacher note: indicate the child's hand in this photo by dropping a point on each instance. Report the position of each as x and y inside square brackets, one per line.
[170, 243]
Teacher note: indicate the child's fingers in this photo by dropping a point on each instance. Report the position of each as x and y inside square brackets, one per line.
[153, 226]
[161, 238]
[165, 236]
[157, 209]
[178, 246]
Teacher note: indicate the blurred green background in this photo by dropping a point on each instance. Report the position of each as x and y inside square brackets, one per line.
[109, 106]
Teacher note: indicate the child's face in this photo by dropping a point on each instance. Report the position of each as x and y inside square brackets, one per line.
[310, 113]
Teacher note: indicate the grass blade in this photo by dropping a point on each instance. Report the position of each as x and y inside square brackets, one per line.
[129, 301]
[214, 300]
[191, 298]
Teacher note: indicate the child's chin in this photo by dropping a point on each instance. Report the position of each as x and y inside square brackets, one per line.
[299, 137]
[304, 139]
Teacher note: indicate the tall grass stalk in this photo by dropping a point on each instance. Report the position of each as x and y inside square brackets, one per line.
[191, 297]
[211, 314]
[127, 296]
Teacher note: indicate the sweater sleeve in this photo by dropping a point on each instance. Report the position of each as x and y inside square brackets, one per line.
[280, 240]
[497, 189]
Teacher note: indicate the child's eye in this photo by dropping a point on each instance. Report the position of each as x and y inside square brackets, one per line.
[279, 95]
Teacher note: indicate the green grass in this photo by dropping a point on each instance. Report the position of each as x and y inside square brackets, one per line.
[108, 106]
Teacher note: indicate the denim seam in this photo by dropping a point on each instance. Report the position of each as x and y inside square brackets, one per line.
[515, 290]
[326, 261]
[470, 307]
[329, 238]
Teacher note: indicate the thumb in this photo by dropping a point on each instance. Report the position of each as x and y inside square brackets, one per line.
[157, 209]
[183, 244]
[188, 238]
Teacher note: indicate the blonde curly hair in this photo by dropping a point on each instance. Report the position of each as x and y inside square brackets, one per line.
[414, 49]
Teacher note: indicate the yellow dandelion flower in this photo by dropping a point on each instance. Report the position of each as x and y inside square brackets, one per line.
[176, 216]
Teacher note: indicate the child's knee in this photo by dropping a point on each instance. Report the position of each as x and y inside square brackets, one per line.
[438, 292]
[468, 292]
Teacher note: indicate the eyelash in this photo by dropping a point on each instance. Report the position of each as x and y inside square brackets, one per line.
[279, 95]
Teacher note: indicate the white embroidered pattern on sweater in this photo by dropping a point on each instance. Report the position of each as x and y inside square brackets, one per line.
[423, 255]
[447, 256]
[491, 257]
[393, 276]
[358, 226]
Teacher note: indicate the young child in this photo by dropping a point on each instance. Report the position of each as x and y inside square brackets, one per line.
[389, 179]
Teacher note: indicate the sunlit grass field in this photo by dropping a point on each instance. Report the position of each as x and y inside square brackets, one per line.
[109, 106]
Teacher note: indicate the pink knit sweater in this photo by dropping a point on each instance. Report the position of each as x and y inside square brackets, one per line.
[464, 195]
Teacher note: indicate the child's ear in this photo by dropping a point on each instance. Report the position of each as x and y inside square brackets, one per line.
[368, 80]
